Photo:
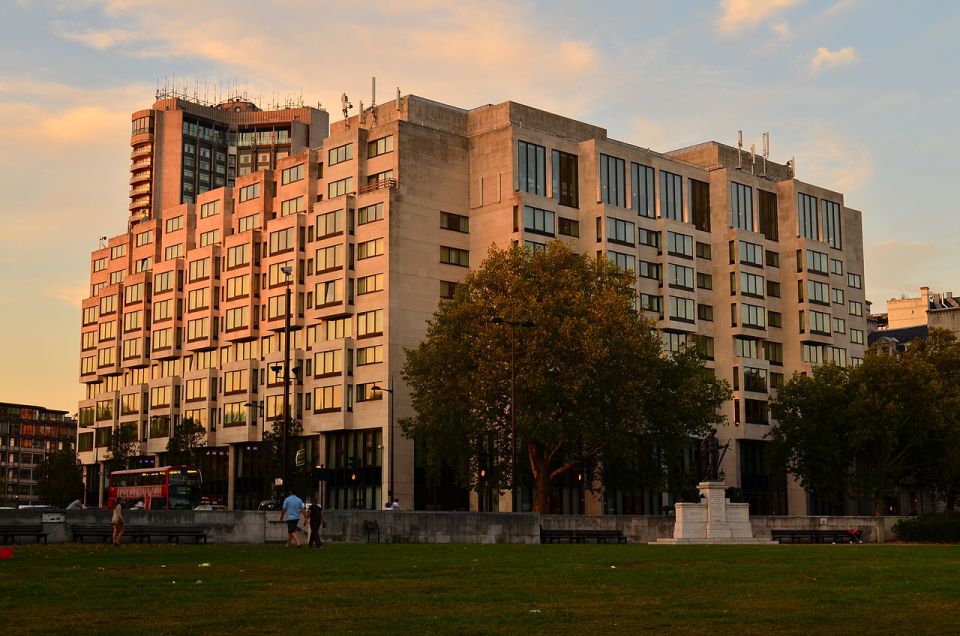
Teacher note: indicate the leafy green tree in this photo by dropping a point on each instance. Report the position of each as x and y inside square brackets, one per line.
[123, 442]
[60, 478]
[271, 457]
[587, 368]
[186, 441]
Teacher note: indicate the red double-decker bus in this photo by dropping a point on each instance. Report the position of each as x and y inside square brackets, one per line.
[164, 488]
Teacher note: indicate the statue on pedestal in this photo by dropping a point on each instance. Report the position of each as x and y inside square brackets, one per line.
[712, 454]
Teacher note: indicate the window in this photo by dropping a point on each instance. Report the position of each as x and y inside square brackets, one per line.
[531, 168]
[700, 204]
[741, 206]
[379, 177]
[839, 325]
[366, 393]
[768, 215]
[773, 289]
[775, 319]
[854, 280]
[289, 175]
[89, 339]
[837, 296]
[621, 232]
[133, 294]
[174, 224]
[291, 206]
[671, 196]
[250, 192]
[703, 250]
[836, 355]
[454, 256]
[234, 414]
[754, 380]
[371, 213]
[652, 303]
[705, 312]
[751, 254]
[773, 259]
[211, 208]
[162, 310]
[456, 222]
[209, 238]
[820, 323]
[238, 286]
[108, 330]
[117, 276]
[447, 289]
[198, 329]
[745, 347]
[277, 306]
[162, 339]
[329, 258]
[368, 249]
[565, 179]
[836, 267]
[818, 292]
[100, 264]
[817, 262]
[237, 318]
[753, 316]
[337, 329]
[856, 336]
[250, 222]
[613, 190]
[643, 190]
[162, 282]
[370, 323]
[831, 223]
[173, 251]
[568, 227]
[369, 284]
[199, 269]
[649, 270]
[369, 355]
[380, 146]
[282, 240]
[807, 217]
[339, 188]
[117, 251]
[327, 398]
[673, 341]
[327, 363]
[329, 224]
[856, 308]
[96, 288]
[773, 352]
[108, 304]
[238, 255]
[811, 353]
[683, 309]
[650, 238]
[623, 261]
[198, 299]
[340, 154]
[680, 276]
[751, 285]
[679, 244]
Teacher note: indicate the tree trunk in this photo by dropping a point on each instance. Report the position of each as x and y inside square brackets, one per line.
[540, 492]
[878, 505]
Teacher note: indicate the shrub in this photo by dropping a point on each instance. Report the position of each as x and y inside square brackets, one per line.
[942, 528]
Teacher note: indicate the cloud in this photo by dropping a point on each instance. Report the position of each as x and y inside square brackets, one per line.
[101, 39]
[833, 160]
[827, 59]
[783, 30]
[738, 14]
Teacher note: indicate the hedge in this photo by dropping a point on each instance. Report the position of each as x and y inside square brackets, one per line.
[942, 528]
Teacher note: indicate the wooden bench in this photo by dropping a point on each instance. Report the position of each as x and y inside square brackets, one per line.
[102, 532]
[10, 532]
[173, 534]
[600, 536]
[371, 525]
[557, 536]
[810, 536]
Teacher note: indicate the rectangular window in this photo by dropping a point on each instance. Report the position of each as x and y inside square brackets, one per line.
[565, 179]
[173, 251]
[291, 206]
[753, 316]
[568, 227]
[379, 177]
[144, 238]
[133, 294]
[751, 285]
[100, 264]
[282, 240]
[329, 258]
[337, 328]
[831, 223]
[807, 217]
[820, 323]
[340, 154]
[289, 175]
[649, 302]
[836, 267]
[198, 329]
[649, 270]
[773, 259]
[643, 194]
[683, 309]
[621, 232]
[327, 363]
[330, 224]
[671, 196]
[117, 251]
[751, 253]
[856, 336]
[368, 249]
[371, 213]
[339, 188]
[839, 325]
[623, 261]
[773, 352]
[238, 286]
[198, 299]
[454, 256]
[817, 262]
[741, 206]
[447, 289]
[369, 355]
[679, 245]
[174, 224]
[108, 304]
[370, 323]
[680, 276]
[249, 192]
[327, 398]
[856, 308]
[705, 312]
[613, 188]
[703, 251]
[237, 318]
[380, 146]
[199, 269]
[455, 222]
[818, 292]
[811, 353]
[775, 319]
[773, 289]
[369, 284]
[768, 215]
[854, 280]
[209, 238]
[745, 347]
[650, 238]
[704, 281]
[700, 204]
[250, 222]
[238, 255]
[838, 298]
[531, 168]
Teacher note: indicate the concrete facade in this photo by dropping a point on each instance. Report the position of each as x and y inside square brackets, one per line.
[397, 203]
[27, 435]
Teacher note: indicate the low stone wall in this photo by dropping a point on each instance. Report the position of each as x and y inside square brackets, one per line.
[246, 527]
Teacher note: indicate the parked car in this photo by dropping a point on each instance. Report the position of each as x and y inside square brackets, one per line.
[268, 505]
[209, 508]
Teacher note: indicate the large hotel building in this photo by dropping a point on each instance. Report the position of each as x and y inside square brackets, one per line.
[379, 216]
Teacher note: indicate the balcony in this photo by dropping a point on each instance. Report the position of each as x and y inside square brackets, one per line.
[141, 189]
[141, 151]
[140, 176]
[377, 185]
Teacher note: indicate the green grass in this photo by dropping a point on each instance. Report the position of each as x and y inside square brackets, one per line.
[479, 589]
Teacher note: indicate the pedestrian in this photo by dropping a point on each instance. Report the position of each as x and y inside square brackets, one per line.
[395, 504]
[316, 518]
[290, 512]
[117, 523]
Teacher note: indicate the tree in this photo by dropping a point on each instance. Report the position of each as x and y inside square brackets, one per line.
[187, 438]
[60, 478]
[121, 448]
[271, 456]
[586, 371]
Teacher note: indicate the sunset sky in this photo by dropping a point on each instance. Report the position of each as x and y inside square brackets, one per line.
[863, 94]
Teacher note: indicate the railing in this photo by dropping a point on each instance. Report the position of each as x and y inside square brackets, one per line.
[377, 185]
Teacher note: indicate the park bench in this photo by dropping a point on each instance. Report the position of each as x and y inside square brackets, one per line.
[600, 536]
[97, 531]
[172, 533]
[810, 536]
[10, 532]
[371, 525]
[557, 536]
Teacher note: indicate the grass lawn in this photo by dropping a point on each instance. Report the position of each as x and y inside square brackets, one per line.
[481, 589]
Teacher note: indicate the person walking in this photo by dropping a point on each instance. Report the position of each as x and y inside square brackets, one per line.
[117, 523]
[316, 520]
[290, 512]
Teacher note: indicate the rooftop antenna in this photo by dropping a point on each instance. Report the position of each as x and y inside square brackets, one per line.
[753, 158]
[766, 151]
[103, 241]
[373, 97]
[739, 149]
[398, 98]
[345, 105]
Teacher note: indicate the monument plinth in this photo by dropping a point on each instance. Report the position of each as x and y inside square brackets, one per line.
[713, 520]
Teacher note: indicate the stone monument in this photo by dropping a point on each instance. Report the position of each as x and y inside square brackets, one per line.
[714, 519]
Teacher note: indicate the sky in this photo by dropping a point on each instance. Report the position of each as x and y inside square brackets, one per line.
[864, 95]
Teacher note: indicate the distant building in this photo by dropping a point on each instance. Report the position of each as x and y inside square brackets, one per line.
[27, 434]
[910, 318]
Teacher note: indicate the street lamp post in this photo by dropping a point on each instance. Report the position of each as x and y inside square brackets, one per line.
[376, 387]
[513, 324]
[287, 271]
